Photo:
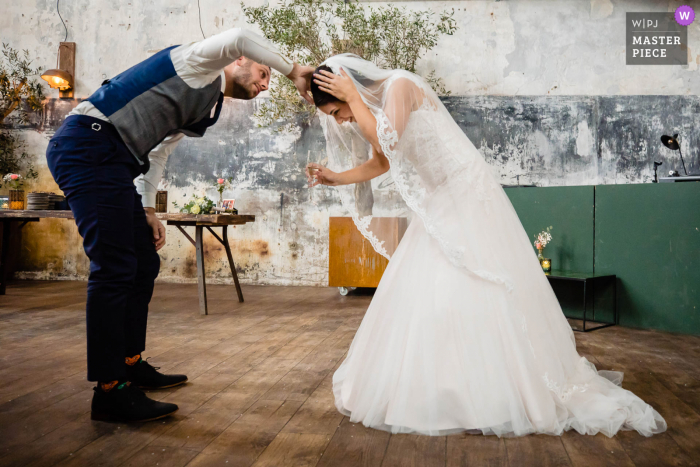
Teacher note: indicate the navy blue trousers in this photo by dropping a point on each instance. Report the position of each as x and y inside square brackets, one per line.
[96, 172]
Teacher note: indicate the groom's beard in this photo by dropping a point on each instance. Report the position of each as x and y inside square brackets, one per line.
[241, 84]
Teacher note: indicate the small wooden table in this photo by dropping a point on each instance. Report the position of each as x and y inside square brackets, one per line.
[207, 221]
[585, 278]
[199, 222]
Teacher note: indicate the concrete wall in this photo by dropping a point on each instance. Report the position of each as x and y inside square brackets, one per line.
[541, 87]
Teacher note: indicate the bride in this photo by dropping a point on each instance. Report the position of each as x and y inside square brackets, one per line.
[464, 332]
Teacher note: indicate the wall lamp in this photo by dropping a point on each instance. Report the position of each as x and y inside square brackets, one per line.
[61, 77]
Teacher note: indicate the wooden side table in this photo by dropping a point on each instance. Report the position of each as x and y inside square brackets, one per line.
[207, 221]
[585, 279]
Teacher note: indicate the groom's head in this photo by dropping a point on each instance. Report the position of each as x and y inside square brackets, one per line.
[328, 103]
[245, 79]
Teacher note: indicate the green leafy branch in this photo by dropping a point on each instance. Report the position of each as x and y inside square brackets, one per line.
[16, 85]
[310, 31]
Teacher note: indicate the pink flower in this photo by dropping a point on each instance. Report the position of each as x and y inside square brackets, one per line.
[220, 181]
[14, 176]
[538, 245]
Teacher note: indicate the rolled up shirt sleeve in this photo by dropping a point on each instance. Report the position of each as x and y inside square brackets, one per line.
[218, 51]
[147, 184]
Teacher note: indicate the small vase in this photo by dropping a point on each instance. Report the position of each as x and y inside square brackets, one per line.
[540, 256]
[17, 200]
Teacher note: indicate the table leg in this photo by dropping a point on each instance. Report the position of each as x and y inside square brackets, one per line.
[6, 226]
[584, 306]
[614, 279]
[231, 263]
[201, 276]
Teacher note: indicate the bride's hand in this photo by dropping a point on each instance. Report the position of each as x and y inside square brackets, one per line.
[323, 176]
[340, 86]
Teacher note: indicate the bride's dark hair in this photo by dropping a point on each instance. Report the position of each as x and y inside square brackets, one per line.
[322, 97]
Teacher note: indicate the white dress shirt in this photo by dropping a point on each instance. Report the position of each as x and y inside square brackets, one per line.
[199, 64]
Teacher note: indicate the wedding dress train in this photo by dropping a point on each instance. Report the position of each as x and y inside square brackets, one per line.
[440, 352]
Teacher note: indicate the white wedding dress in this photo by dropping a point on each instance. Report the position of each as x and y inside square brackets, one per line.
[464, 332]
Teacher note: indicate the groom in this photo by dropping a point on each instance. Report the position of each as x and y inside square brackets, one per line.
[128, 128]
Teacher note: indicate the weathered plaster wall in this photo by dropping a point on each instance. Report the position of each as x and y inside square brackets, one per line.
[541, 87]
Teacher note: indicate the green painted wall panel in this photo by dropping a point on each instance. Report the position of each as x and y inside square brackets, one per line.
[569, 210]
[649, 236]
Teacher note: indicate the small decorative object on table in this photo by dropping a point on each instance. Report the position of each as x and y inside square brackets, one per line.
[15, 181]
[162, 201]
[4, 202]
[197, 205]
[227, 206]
[541, 241]
[222, 184]
[17, 199]
[37, 201]
[55, 201]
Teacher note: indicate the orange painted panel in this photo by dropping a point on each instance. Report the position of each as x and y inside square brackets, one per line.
[352, 260]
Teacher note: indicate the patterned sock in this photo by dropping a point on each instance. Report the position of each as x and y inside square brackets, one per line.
[108, 386]
[131, 361]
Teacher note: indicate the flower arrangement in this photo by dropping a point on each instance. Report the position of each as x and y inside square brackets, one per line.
[15, 181]
[541, 241]
[196, 205]
[223, 184]
[543, 238]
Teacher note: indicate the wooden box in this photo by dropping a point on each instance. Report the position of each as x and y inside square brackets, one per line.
[352, 260]
[162, 201]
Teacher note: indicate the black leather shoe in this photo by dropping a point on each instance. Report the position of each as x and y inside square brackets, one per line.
[127, 403]
[146, 376]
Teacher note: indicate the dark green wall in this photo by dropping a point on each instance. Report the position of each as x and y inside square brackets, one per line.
[649, 235]
[569, 210]
[646, 234]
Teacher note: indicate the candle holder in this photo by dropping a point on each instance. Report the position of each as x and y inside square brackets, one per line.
[4, 202]
[17, 199]
[546, 265]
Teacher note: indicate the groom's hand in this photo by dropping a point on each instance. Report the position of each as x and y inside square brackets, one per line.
[156, 226]
[301, 77]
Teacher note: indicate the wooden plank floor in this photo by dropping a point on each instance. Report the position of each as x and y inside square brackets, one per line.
[260, 389]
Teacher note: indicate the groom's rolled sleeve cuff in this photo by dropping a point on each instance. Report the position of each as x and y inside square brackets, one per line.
[147, 184]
